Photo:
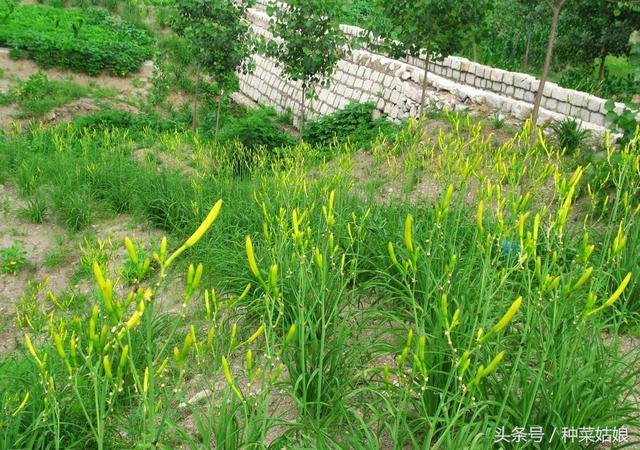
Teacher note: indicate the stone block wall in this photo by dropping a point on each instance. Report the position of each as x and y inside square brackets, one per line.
[394, 85]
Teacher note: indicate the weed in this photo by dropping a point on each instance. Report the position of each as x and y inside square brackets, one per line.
[35, 210]
[38, 95]
[498, 121]
[55, 257]
[13, 259]
[625, 121]
[570, 134]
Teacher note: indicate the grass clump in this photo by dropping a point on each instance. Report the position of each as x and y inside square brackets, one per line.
[87, 40]
[570, 134]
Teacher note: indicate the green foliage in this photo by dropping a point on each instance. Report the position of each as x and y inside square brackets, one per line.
[13, 258]
[220, 39]
[38, 95]
[308, 43]
[321, 319]
[438, 27]
[354, 123]
[592, 29]
[88, 40]
[498, 121]
[624, 122]
[311, 39]
[570, 134]
[257, 128]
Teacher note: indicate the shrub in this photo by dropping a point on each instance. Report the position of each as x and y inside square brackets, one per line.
[88, 40]
[355, 123]
[257, 129]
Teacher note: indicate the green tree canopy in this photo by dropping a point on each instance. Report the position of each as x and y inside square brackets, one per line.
[308, 42]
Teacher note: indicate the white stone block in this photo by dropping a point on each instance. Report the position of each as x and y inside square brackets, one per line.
[521, 110]
[507, 78]
[496, 75]
[550, 103]
[560, 94]
[584, 114]
[563, 108]
[595, 103]
[597, 118]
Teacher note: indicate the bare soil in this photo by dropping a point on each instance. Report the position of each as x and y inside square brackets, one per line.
[130, 90]
[39, 241]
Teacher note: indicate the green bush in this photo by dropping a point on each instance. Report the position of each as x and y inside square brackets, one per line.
[257, 129]
[88, 40]
[354, 123]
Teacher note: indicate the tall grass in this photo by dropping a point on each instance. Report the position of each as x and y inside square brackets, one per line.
[319, 319]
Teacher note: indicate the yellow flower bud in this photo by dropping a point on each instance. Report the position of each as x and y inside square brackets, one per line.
[408, 240]
[508, 316]
[204, 226]
[107, 367]
[256, 335]
[618, 292]
[252, 258]
[131, 250]
[133, 321]
[493, 364]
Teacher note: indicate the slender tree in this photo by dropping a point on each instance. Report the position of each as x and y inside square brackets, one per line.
[556, 8]
[221, 41]
[430, 28]
[307, 44]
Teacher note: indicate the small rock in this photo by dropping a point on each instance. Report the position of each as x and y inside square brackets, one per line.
[196, 398]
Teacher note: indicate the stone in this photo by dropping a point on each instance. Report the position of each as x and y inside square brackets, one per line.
[521, 111]
[549, 87]
[550, 103]
[560, 94]
[584, 114]
[522, 81]
[496, 75]
[595, 103]
[597, 118]
[507, 78]
[563, 108]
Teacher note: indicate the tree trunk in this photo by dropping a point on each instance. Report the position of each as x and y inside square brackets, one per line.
[218, 116]
[475, 51]
[525, 63]
[302, 111]
[545, 69]
[423, 98]
[194, 116]
[603, 60]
